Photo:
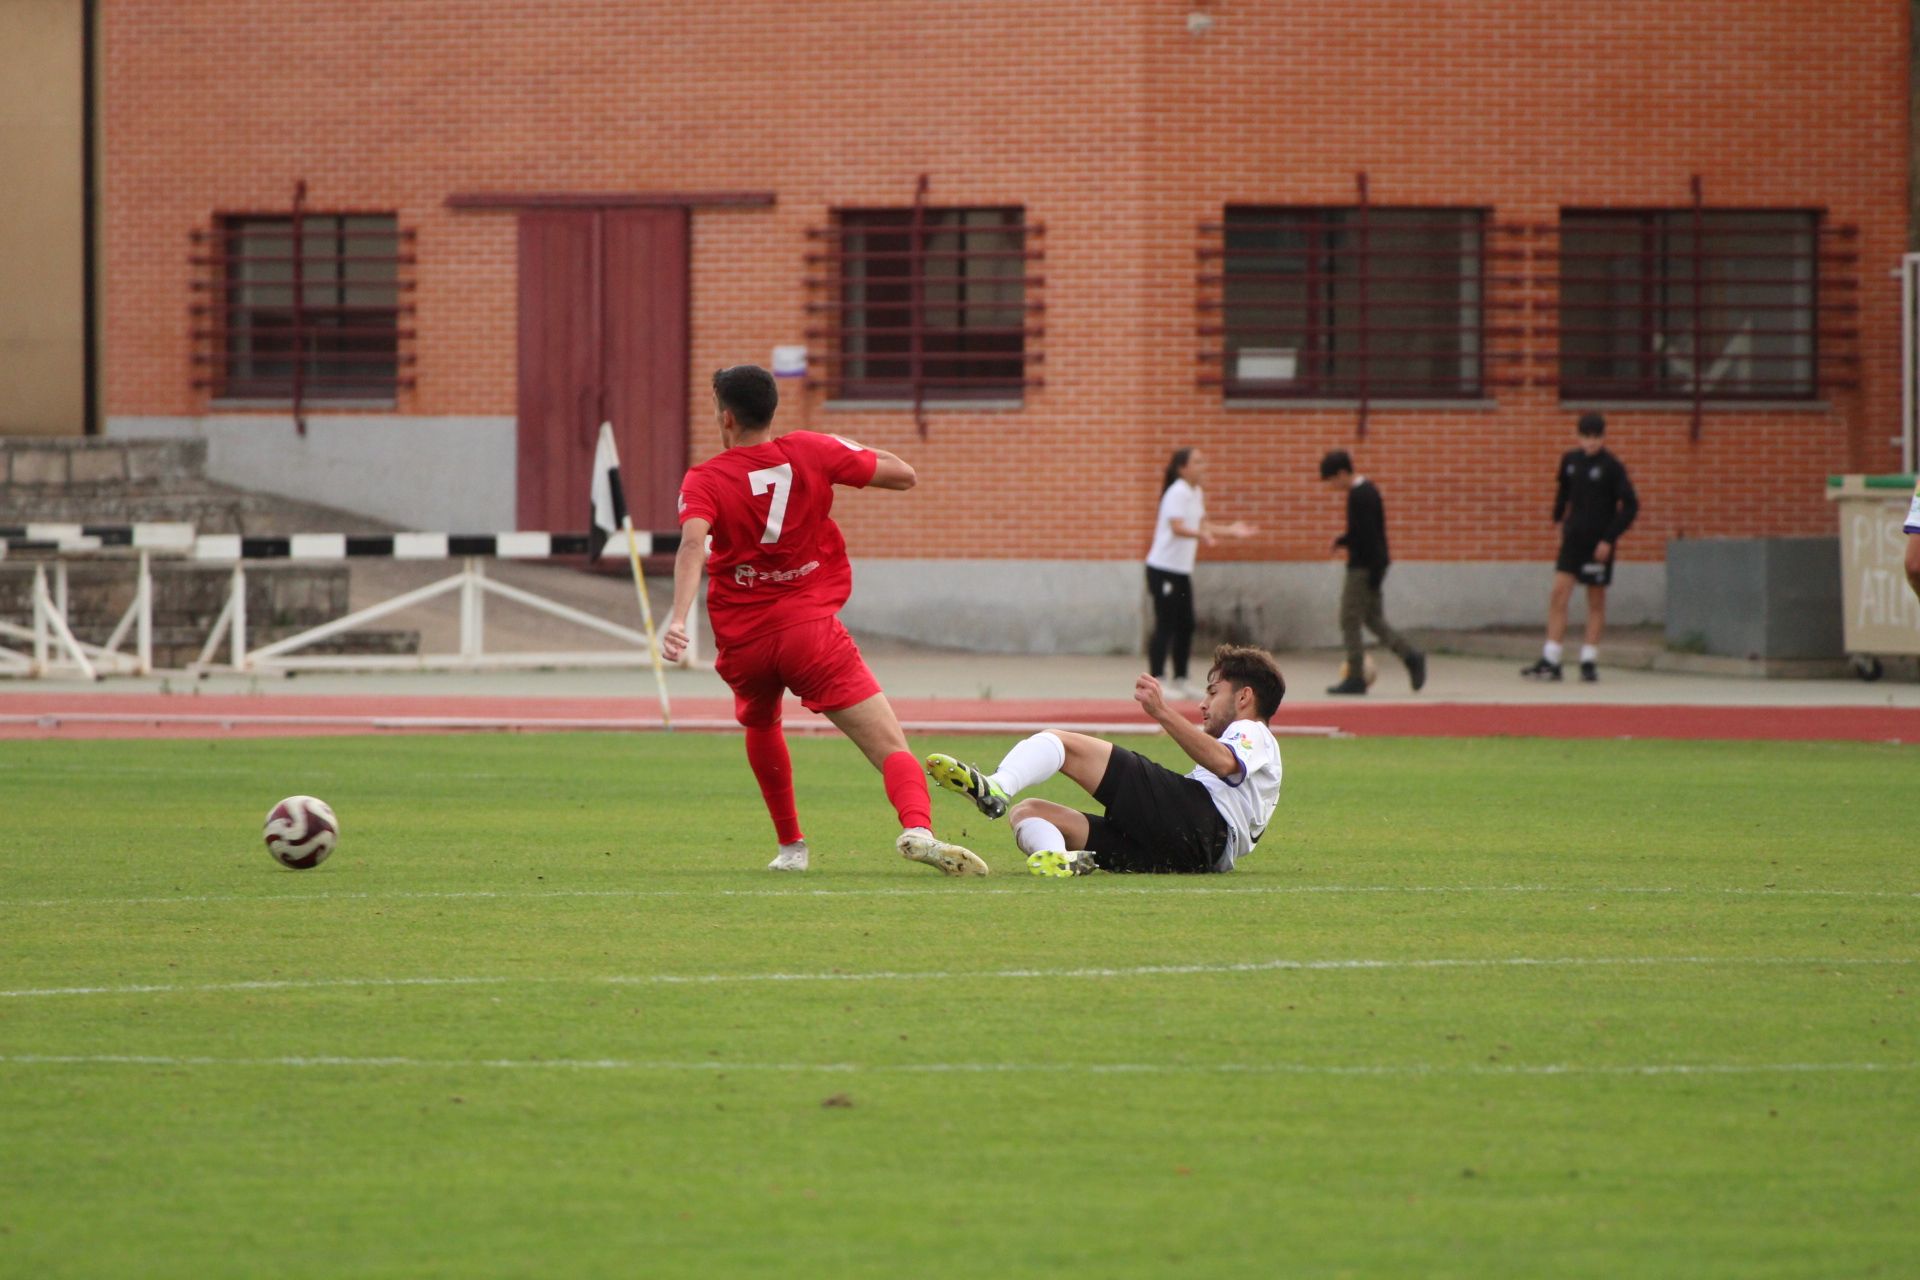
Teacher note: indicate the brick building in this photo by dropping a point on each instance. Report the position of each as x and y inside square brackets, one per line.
[1428, 233]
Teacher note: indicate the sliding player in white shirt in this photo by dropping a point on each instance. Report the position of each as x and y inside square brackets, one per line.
[1156, 820]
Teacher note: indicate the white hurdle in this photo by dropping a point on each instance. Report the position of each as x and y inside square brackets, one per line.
[472, 584]
[54, 649]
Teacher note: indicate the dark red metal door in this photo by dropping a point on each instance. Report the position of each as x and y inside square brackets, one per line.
[645, 293]
[603, 337]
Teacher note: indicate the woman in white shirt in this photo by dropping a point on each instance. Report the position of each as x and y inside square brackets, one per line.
[1177, 534]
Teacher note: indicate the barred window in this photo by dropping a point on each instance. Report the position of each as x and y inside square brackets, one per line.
[932, 303]
[309, 310]
[1678, 304]
[1350, 303]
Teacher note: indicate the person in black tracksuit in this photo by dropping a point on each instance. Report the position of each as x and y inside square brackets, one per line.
[1365, 542]
[1594, 506]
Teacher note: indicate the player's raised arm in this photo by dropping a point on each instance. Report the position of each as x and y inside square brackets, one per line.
[1208, 752]
[687, 563]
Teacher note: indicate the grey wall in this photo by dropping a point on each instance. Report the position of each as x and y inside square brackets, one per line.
[1002, 606]
[452, 474]
[1296, 606]
[1756, 597]
[1069, 606]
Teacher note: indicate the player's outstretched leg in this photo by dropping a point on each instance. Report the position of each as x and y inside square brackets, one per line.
[773, 770]
[1031, 762]
[876, 731]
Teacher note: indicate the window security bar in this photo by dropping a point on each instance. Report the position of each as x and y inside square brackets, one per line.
[928, 302]
[299, 305]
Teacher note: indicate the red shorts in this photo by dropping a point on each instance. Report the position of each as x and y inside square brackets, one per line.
[818, 660]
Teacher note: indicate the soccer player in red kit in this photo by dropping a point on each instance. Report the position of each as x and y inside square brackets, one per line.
[777, 576]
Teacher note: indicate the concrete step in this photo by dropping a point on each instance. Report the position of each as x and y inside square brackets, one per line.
[38, 463]
[129, 481]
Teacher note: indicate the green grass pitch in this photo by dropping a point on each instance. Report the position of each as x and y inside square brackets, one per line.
[1474, 1008]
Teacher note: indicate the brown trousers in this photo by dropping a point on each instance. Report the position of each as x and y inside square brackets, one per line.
[1360, 605]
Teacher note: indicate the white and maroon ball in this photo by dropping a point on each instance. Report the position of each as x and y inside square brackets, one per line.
[301, 832]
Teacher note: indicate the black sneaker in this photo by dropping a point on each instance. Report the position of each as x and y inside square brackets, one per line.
[1417, 670]
[1542, 670]
[1351, 685]
[1590, 673]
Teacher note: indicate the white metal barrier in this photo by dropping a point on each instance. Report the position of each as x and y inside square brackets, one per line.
[49, 647]
[54, 648]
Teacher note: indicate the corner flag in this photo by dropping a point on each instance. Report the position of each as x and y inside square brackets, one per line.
[607, 517]
[608, 510]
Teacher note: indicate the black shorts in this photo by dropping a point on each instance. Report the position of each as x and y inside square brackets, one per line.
[1576, 558]
[1156, 820]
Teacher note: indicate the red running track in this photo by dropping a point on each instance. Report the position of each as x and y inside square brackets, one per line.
[36, 714]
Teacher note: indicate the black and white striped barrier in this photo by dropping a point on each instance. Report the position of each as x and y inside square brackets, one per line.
[165, 538]
[416, 546]
[182, 539]
[51, 637]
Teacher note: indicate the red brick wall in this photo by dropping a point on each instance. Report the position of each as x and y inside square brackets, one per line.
[1120, 132]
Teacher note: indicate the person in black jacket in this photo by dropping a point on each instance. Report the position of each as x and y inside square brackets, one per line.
[1365, 542]
[1594, 505]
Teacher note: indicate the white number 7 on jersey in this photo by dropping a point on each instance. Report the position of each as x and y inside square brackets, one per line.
[780, 480]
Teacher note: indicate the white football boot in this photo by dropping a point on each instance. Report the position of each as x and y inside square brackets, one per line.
[793, 857]
[917, 844]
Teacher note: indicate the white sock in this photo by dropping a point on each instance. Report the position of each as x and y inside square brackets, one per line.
[1031, 762]
[1035, 835]
[798, 846]
[1589, 653]
[1552, 652]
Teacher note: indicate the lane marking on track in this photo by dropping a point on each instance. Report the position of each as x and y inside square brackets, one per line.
[945, 975]
[1413, 1069]
[1095, 893]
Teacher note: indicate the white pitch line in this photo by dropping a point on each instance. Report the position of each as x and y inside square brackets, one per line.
[931, 975]
[1411, 1069]
[1160, 887]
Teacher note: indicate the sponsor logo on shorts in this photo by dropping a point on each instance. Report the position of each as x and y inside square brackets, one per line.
[746, 575]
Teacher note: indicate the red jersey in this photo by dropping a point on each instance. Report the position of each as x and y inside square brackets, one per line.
[778, 558]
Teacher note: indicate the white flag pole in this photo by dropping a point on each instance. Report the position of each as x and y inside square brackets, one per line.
[607, 500]
[646, 619]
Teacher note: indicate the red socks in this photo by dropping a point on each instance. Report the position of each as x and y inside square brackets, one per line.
[907, 789]
[773, 769]
[905, 780]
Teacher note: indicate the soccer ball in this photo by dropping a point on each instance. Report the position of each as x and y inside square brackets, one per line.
[1369, 668]
[301, 832]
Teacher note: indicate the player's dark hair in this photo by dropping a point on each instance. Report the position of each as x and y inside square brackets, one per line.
[749, 393]
[1592, 424]
[1177, 461]
[1335, 461]
[1244, 667]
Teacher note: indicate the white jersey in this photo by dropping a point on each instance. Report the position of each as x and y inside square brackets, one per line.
[1245, 801]
[1913, 512]
[1172, 552]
